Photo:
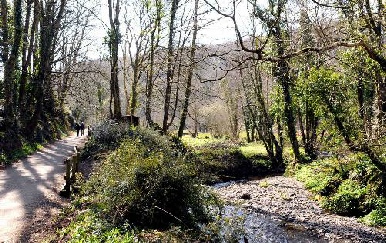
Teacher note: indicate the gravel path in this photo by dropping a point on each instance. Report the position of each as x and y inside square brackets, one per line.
[285, 201]
[29, 190]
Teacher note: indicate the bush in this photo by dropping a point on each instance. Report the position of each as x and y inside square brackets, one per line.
[148, 183]
[348, 186]
[88, 227]
[347, 200]
[377, 217]
[109, 135]
[320, 177]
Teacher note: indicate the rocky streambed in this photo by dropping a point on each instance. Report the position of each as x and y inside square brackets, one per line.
[280, 209]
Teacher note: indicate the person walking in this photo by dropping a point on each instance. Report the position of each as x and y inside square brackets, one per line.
[81, 128]
[77, 128]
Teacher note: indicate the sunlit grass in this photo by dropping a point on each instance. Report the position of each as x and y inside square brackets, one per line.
[251, 149]
[200, 140]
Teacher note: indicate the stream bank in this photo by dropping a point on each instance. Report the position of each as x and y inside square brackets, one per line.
[280, 209]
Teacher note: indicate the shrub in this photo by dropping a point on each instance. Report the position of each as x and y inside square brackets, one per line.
[88, 227]
[146, 182]
[320, 177]
[348, 185]
[347, 200]
[378, 215]
[109, 135]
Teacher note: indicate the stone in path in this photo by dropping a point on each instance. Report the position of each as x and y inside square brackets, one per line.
[28, 188]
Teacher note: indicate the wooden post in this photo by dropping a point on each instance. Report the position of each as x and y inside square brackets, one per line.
[66, 192]
[72, 166]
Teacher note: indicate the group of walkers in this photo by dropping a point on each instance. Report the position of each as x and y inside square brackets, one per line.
[79, 127]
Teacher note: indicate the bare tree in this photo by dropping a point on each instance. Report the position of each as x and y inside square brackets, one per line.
[114, 38]
[188, 88]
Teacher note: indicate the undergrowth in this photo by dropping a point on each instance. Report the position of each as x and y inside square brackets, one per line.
[348, 186]
[147, 182]
[25, 150]
[224, 161]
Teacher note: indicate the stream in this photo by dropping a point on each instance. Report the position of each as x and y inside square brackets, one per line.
[248, 225]
[280, 209]
[241, 224]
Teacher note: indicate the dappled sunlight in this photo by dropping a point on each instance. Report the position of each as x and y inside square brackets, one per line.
[29, 184]
[11, 212]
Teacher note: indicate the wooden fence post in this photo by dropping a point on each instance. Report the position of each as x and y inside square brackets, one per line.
[72, 166]
[66, 192]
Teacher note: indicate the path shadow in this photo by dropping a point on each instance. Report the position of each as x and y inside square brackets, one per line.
[29, 185]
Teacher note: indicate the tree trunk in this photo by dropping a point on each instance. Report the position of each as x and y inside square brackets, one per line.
[153, 45]
[27, 50]
[113, 46]
[283, 75]
[169, 72]
[188, 89]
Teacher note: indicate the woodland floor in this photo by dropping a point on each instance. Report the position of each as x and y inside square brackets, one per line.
[286, 202]
[29, 198]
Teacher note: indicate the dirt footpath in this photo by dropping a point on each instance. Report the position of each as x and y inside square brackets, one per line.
[29, 190]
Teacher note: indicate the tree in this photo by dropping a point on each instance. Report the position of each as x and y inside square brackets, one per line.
[170, 59]
[306, 107]
[188, 88]
[273, 18]
[9, 56]
[51, 14]
[114, 39]
[258, 111]
[137, 45]
[154, 43]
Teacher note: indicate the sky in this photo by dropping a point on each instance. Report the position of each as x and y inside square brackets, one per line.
[220, 31]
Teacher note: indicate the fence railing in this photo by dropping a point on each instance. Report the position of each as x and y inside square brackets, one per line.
[72, 167]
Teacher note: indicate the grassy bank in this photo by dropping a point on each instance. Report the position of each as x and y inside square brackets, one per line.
[348, 186]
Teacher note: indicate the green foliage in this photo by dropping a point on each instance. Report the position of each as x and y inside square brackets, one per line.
[346, 186]
[149, 181]
[347, 200]
[320, 177]
[224, 161]
[88, 227]
[336, 94]
[25, 150]
[377, 217]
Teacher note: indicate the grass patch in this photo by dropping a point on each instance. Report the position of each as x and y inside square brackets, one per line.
[250, 150]
[201, 140]
[225, 161]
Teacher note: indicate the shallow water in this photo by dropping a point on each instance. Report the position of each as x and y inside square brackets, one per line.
[240, 224]
[248, 225]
